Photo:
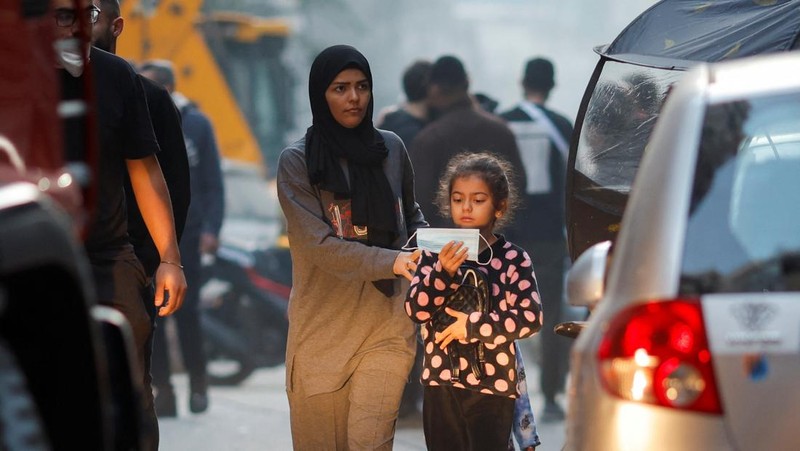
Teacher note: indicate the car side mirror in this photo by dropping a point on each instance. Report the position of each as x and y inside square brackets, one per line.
[586, 278]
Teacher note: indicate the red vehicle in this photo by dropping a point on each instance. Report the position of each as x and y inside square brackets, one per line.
[59, 350]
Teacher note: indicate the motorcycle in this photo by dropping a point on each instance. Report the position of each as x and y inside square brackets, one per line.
[244, 302]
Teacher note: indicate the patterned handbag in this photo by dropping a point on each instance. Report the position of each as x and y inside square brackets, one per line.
[471, 296]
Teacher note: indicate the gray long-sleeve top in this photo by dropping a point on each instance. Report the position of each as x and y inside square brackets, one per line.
[336, 315]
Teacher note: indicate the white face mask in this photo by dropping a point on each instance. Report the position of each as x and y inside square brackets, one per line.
[68, 55]
[433, 239]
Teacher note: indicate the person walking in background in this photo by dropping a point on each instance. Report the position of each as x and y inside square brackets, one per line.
[408, 118]
[127, 144]
[457, 125]
[347, 192]
[543, 138]
[469, 404]
[200, 237]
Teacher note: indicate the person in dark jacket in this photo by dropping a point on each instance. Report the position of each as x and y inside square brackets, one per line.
[409, 118]
[543, 138]
[458, 125]
[201, 236]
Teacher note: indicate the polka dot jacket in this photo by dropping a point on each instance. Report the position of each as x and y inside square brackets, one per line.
[516, 312]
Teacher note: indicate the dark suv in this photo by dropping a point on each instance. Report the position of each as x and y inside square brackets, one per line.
[65, 380]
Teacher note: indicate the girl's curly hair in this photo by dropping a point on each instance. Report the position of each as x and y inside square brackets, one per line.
[493, 170]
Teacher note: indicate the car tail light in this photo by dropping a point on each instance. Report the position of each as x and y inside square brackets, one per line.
[657, 353]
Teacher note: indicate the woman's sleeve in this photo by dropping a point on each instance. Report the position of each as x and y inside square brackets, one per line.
[411, 209]
[518, 311]
[428, 288]
[311, 236]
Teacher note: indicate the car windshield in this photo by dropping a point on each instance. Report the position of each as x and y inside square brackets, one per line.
[743, 232]
[619, 119]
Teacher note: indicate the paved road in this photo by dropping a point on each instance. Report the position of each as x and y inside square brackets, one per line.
[255, 416]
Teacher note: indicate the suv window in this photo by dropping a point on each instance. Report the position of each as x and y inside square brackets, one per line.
[619, 119]
[743, 232]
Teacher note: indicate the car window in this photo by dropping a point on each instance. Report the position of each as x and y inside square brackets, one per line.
[619, 119]
[743, 232]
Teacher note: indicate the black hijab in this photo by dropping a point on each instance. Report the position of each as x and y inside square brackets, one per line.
[373, 202]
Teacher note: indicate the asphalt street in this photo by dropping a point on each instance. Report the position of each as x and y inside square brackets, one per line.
[255, 416]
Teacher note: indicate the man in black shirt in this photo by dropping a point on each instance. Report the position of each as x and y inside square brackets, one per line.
[127, 145]
[172, 158]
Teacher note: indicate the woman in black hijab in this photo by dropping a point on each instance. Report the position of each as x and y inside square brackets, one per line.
[347, 192]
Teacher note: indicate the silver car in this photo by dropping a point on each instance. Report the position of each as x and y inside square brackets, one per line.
[694, 338]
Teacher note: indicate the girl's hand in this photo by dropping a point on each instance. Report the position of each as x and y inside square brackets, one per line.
[452, 255]
[455, 331]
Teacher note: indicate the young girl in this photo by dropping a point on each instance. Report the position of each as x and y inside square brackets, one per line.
[468, 413]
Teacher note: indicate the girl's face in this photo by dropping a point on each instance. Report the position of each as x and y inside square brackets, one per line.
[348, 97]
[472, 206]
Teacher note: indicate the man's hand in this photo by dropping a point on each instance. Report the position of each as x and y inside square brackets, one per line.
[170, 288]
[455, 331]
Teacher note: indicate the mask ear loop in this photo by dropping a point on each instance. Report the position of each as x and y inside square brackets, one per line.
[491, 252]
[406, 247]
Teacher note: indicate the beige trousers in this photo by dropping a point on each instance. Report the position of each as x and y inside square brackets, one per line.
[359, 416]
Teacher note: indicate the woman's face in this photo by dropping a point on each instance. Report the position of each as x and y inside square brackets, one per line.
[348, 96]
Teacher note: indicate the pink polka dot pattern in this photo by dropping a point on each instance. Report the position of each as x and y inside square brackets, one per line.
[515, 313]
[501, 385]
[502, 358]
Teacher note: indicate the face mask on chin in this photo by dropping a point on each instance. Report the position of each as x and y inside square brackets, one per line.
[68, 55]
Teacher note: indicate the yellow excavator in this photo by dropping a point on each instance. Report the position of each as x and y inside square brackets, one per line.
[229, 63]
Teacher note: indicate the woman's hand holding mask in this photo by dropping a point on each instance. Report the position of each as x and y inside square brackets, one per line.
[406, 264]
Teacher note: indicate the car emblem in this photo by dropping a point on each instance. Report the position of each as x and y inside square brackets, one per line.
[753, 316]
